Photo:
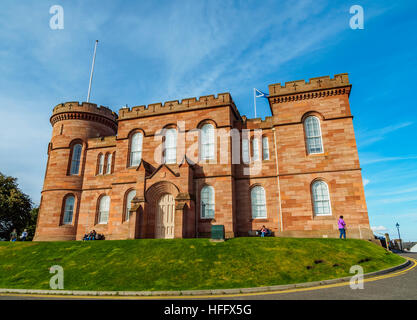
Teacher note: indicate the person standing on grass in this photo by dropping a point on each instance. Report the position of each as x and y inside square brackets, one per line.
[342, 227]
[24, 235]
[13, 235]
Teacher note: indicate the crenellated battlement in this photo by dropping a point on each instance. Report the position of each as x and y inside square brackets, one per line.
[84, 111]
[187, 104]
[314, 84]
[75, 106]
[258, 123]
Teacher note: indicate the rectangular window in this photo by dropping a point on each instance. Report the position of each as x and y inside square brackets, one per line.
[321, 198]
[171, 146]
[313, 135]
[75, 161]
[265, 148]
[255, 149]
[68, 210]
[245, 150]
[104, 210]
[258, 202]
[109, 159]
[101, 165]
[136, 149]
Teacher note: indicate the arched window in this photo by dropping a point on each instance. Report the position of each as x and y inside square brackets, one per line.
[136, 149]
[170, 146]
[258, 202]
[103, 210]
[255, 149]
[108, 165]
[265, 148]
[245, 150]
[68, 210]
[101, 164]
[207, 202]
[321, 198]
[313, 135]
[76, 157]
[129, 199]
[207, 142]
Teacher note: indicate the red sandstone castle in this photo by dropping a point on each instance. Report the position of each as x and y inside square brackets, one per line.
[174, 170]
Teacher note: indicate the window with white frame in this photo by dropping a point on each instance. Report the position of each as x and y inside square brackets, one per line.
[258, 201]
[101, 164]
[207, 142]
[136, 149]
[265, 148]
[170, 146]
[108, 164]
[245, 150]
[321, 198]
[129, 199]
[103, 211]
[255, 149]
[207, 202]
[76, 157]
[68, 210]
[313, 135]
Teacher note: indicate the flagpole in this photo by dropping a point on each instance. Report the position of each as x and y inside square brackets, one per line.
[92, 71]
[254, 99]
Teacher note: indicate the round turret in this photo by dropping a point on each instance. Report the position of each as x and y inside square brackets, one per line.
[85, 111]
[73, 124]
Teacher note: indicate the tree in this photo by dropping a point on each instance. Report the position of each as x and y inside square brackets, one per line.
[31, 225]
[15, 207]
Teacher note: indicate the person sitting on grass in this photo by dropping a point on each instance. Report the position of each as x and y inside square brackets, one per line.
[264, 231]
[92, 235]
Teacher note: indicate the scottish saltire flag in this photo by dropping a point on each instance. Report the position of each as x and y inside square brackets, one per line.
[259, 93]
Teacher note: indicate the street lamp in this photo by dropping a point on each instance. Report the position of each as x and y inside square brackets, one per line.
[399, 236]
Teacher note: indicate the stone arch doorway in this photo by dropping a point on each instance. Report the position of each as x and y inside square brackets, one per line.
[165, 217]
[160, 200]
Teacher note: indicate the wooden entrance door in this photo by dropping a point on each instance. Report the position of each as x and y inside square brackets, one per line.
[165, 217]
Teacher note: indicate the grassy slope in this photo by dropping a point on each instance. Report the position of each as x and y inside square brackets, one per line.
[185, 264]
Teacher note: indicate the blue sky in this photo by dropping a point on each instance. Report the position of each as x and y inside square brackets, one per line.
[153, 51]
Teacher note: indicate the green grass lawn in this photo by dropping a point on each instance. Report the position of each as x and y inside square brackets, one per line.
[186, 264]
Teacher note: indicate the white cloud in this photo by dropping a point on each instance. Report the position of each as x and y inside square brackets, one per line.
[378, 228]
[365, 182]
[371, 160]
[366, 138]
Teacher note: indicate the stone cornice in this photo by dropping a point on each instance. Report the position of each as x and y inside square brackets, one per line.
[321, 93]
[319, 87]
[84, 111]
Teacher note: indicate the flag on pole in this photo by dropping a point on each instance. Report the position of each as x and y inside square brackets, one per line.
[258, 94]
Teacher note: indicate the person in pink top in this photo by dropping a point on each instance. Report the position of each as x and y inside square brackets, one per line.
[342, 227]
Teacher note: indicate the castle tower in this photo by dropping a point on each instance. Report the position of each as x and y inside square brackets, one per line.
[73, 124]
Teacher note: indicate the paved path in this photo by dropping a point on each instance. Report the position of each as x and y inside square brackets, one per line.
[400, 285]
